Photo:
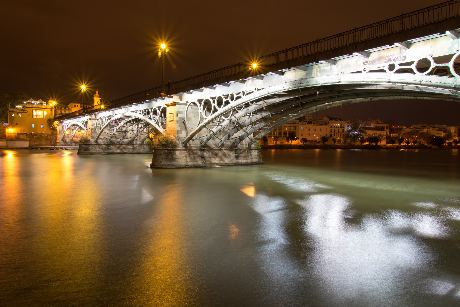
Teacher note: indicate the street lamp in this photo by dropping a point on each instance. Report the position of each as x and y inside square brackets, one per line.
[83, 88]
[254, 66]
[163, 49]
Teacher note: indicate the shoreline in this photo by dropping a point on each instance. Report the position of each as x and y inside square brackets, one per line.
[369, 147]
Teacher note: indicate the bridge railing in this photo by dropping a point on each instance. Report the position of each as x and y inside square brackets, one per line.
[404, 23]
[423, 21]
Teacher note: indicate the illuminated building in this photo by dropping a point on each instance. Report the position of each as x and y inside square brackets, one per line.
[30, 117]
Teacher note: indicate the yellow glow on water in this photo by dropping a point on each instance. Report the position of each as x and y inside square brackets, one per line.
[11, 195]
[9, 154]
[249, 190]
[67, 204]
[165, 273]
[233, 231]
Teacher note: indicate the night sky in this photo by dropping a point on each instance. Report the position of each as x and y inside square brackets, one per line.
[47, 46]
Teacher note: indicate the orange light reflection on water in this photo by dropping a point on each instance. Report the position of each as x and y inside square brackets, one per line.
[249, 190]
[67, 201]
[10, 198]
[165, 273]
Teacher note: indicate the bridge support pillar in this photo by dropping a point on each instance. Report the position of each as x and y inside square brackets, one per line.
[188, 157]
[204, 157]
[91, 131]
[171, 120]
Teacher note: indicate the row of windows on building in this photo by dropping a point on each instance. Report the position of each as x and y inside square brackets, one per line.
[35, 114]
[41, 126]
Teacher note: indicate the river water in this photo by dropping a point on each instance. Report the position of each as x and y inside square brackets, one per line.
[309, 227]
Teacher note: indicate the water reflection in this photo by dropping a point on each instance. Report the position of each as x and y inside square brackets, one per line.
[273, 257]
[106, 230]
[233, 231]
[296, 184]
[11, 191]
[164, 276]
[366, 261]
[65, 239]
[249, 190]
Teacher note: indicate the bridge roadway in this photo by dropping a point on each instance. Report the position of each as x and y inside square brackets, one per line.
[218, 123]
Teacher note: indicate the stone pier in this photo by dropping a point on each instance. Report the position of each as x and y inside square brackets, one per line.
[186, 157]
[97, 149]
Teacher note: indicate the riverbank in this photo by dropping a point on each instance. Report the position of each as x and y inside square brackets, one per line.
[341, 146]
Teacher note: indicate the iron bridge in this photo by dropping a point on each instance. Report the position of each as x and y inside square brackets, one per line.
[412, 56]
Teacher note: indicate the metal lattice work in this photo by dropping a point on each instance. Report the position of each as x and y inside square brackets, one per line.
[429, 66]
[125, 131]
[71, 131]
[151, 116]
[207, 107]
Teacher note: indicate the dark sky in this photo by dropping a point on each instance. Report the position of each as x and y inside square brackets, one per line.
[46, 46]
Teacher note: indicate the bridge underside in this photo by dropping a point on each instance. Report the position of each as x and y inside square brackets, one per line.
[246, 124]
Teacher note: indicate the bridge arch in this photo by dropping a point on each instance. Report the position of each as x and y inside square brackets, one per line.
[72, 124]
[266, 103]
[68, 133]
[254, 133]
[129, 115]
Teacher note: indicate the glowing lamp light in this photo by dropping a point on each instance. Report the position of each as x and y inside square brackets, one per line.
[162, 48]
[83, 87]
[102, 107]
[10, 130]
[254, 65]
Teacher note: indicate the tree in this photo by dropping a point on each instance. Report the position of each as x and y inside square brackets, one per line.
[324, 139]
[9, 99]
[391, 141]
[354, 136]
[291, 136]
[373, 140]
[265, 140]
[437, 141]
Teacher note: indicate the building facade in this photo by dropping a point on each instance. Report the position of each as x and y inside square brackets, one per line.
[30, 117]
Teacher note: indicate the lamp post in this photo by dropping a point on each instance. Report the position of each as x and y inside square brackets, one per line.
[254, 67]
[163, 49]
[83, 89]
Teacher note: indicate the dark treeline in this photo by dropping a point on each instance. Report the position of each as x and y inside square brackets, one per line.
[7, 99]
